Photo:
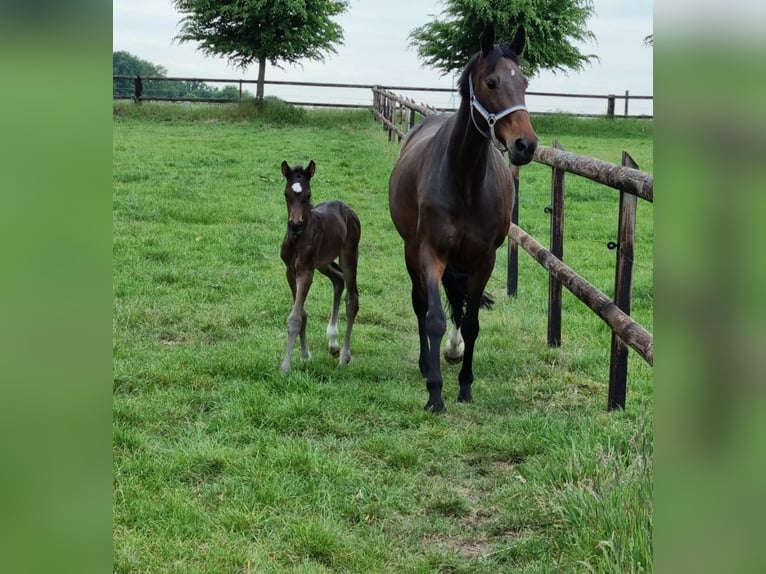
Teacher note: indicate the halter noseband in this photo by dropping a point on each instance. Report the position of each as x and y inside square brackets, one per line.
[491, 119]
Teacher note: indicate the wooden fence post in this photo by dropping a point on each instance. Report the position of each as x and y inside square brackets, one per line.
[610, 106]
[512, 279]
[623, 286]
[627, 97]
[557, 248]
[138, 89]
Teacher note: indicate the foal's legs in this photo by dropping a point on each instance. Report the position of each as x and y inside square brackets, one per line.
[296, 321]
[348, 262]
[336, 276]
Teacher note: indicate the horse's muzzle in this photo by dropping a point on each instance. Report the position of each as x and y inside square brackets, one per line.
[295, 228]
[523, 150]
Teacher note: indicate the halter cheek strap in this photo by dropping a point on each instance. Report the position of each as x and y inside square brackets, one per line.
[491, 119]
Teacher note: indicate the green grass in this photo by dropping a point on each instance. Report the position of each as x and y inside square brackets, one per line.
[222, 464]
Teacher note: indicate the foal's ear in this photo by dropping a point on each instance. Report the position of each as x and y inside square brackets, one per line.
[310, 169]
[517, 45]
[285, 168]
[488, 39]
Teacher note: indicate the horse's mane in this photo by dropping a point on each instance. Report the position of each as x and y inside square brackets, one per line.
[499, 51]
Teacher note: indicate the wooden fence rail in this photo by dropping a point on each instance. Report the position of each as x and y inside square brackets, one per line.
[620, 322]
[391, 110]
[128, 93]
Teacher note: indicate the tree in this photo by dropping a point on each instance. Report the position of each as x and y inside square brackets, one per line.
[126, 64]
[274, 31]
[551, 27]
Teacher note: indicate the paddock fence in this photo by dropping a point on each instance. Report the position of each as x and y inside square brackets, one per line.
[398, 114]
[338, 95]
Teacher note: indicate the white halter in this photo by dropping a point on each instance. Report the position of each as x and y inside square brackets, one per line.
[491, 119]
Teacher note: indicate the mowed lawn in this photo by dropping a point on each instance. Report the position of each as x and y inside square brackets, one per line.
[223, 464]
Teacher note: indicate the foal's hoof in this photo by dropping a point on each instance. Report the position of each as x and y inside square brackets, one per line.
[345, 359]
[334, 350]
[434, 406]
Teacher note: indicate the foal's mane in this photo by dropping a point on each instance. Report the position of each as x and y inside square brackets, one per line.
[499, 51]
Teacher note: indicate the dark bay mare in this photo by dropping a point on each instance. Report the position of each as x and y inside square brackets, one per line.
[450, 198]
[315, 238]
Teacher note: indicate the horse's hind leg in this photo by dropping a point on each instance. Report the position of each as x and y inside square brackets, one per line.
[455, 347]
[334, 272]
[455, 285]
[349, 262]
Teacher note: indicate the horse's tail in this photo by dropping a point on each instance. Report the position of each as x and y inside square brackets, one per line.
[455, 283]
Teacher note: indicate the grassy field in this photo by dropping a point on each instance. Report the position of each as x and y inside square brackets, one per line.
[223, 464]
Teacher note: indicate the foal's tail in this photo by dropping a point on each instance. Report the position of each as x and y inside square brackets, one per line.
[455, 283]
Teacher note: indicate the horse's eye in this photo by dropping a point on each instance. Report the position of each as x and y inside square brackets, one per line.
[491, 84]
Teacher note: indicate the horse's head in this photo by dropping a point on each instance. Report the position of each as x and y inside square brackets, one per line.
[495, 85]
[297, 195]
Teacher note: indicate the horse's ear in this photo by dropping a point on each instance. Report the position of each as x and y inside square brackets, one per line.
[487, 39]
[517, 45]
[310, 169]
[285, 168]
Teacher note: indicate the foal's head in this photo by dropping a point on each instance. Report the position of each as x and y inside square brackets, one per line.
[495, 85]
[298, 196]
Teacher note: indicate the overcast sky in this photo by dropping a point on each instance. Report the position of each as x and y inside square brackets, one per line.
[376, 51]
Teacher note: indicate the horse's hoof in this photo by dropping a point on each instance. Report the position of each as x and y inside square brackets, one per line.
[334, 350]
[465, 398]
[285, 368]
[306, 356]
[434, 407]
[345, 359]
[452, 359]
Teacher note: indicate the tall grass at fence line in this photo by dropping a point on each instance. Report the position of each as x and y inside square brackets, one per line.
[270, 110]
[222, 464]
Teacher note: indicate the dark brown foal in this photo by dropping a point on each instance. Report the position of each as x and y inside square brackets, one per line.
[315, 238]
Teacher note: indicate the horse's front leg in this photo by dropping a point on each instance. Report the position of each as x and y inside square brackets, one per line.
[419, 305]
[296, 320]
[435, 327]
[470, 329]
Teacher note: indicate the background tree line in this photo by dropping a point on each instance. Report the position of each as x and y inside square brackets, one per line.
[248, 32]
[126, 64]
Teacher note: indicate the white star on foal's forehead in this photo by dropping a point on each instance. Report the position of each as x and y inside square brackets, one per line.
[297, 187]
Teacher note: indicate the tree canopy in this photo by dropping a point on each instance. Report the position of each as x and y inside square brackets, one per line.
[126, 64]
[552, 27]
[260, 31]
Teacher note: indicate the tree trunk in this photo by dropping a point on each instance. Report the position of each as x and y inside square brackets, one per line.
[261, 75]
